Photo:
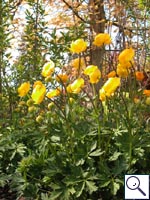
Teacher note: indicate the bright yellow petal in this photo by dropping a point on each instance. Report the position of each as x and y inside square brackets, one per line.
[90, 69]
[38, 93]
[24, 89]
[48, 68]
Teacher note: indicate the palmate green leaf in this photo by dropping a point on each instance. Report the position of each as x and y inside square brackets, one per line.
[91, 186]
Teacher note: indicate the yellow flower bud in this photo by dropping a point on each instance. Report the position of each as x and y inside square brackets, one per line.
[147, 101]
[31, 109]
[50, 105]
[30, 102]
[39, 119]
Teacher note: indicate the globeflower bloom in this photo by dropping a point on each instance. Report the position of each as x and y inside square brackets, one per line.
[139, 75]
[122, 72]
[38, 93]
[109, 88]
[146, 93]
[93, 72]
[78, 63]
[62, 78]
[126, 56]
[24, 89]
[78, 46]
[102, 39]
[53, 93]
[48, 69]
[76, 86]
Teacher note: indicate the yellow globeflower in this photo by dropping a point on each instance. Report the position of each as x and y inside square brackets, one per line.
[139, 75]
[38, 93]
[93, 72]
[76, 86]
[95, 76]
[126, 56]
[109, 88]
[24, 89]
[90, 69]
[53, 93]
[62, 78]
[78, 63]
[122, 72]
[102, 39]
[78, 46]
[48, 68]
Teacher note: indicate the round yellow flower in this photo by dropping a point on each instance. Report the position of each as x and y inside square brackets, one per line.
[95, 76]
[48, 68]
[53, 93]
[90, 69]
[109, 88]
[24, 89]
[78, 46]
[78, 63]
[122, 72]
[126, 56]
[38, 92]
[62, 78]
[76, 86]
[93, 72]
[102, 39]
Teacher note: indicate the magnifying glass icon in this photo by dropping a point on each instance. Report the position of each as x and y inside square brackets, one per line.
[133, 183]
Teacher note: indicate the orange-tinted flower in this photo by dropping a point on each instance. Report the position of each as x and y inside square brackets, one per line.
[122, 72]
[24, 89]
[78, 46]
[111, 74]
[146, 93]
[109, 88]
[76, 86]
[62, 78]
[139, 75]
[102, 39]
[78, 63]
[48, 69]
[136, 100]
[53, 93]
[126, 56]
[38, 92]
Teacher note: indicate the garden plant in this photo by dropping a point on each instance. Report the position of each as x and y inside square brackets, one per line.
[75, 104]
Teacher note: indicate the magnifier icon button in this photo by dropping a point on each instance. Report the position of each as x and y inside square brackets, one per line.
[133, 183]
